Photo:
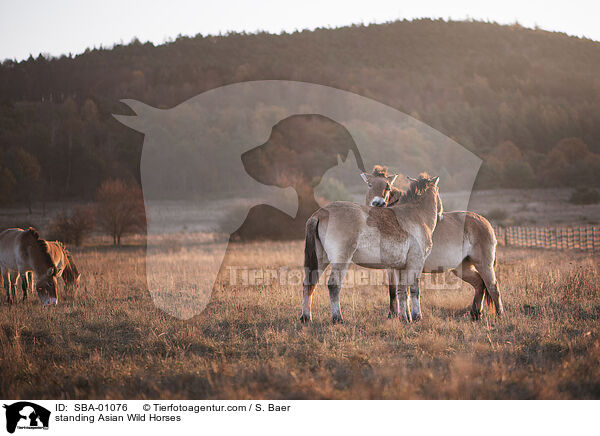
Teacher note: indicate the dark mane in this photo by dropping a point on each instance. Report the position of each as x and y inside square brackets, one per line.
[70, 268]
[379, 171]
[416, 189]
[42, 245]
[395, 196]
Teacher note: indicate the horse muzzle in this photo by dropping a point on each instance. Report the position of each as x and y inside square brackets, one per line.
[378, 202]
[49, 301]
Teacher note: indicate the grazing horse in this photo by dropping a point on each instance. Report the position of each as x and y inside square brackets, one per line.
[65, 266]
[397, 237]
[22, 251]
[63, 259]
[473, 262]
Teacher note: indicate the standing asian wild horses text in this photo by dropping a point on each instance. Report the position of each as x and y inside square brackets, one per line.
[22, 251]
[463, 242]
[396, 238]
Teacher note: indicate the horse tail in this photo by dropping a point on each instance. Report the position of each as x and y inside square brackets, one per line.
[72, 267]
[311, 262]
[489, 301]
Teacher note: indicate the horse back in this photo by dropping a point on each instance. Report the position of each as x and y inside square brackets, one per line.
[13, 248]
[458, 235]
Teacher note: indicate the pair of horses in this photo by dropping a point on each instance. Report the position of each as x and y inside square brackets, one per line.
[25, 255]
[406, 234]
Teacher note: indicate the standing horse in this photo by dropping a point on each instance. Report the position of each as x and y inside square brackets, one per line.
[397, 237]
[22, 251]
[65, 267]
[473, 261]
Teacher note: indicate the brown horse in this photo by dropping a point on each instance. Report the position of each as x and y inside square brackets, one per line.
[473, 261]
[22, 251]
[65, 266]
[397, 237]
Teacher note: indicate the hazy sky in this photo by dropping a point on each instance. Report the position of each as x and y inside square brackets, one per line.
[63, 26]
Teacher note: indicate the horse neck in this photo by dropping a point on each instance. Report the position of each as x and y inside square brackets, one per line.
[425, 207]
[37, 259]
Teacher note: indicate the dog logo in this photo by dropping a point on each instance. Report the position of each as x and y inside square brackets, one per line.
[26, 415]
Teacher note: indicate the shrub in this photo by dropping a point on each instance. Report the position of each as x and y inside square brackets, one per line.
[585, 195]
[73, 228]
[120, 209]
[497, 215]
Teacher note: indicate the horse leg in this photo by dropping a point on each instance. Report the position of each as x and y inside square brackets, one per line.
[415, 301]
[334, 284]
[469, 274]
[396, 295]
[403, 306]
[393, 280]
[25, 284]
[6, 283]
[14, 277]
[410, 282]
[311, 278]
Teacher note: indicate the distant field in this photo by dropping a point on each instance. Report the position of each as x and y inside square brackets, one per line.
[504, 206]
[109, 341]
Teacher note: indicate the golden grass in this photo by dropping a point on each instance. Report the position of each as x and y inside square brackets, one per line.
[110, 341]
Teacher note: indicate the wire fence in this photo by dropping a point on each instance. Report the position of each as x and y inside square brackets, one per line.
[586, 238]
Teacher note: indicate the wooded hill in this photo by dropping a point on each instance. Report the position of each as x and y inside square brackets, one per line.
[527, 101]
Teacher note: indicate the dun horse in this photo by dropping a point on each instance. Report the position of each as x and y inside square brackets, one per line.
[22, 251]
[397, 238]
[65, 267]
[473, 262]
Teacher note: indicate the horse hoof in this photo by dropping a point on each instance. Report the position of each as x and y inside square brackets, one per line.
[417, 317]
[304, 319]
[338, 321]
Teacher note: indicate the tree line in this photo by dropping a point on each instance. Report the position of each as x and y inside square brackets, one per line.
[524, 100]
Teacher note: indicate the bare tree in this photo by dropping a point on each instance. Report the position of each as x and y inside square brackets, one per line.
[119, 209]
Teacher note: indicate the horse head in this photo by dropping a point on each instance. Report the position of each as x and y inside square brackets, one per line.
[381, 187]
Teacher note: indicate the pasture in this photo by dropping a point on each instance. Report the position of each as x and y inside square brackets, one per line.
[108, 341]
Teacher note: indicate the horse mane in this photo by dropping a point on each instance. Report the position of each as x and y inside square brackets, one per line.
[70, 268]
[416, 189]
[379, 171]
[396, 195]
[43, 246]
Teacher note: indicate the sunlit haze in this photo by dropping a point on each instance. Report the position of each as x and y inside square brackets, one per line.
[69, 26]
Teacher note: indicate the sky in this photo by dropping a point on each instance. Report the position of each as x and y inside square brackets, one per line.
[70, 26]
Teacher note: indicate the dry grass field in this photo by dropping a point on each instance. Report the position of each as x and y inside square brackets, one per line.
[109, 341]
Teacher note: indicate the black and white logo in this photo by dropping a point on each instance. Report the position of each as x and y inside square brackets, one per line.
[26, 415]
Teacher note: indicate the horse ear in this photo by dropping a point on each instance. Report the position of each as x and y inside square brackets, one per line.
[365, 177]
[410, 179]
[435, 180]
[392, 178]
